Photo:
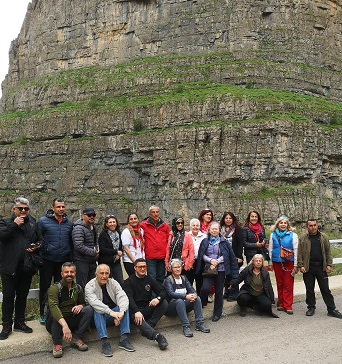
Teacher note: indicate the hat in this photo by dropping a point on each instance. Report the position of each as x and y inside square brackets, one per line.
[88, 210]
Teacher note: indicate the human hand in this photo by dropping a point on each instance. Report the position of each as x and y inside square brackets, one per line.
[154, 302]
[76, 309]
[138, 318]
[67, 335]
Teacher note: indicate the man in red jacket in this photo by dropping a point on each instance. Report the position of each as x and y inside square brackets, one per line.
[156, 234]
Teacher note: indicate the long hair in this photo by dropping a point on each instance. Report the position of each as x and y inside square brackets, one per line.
[249, 215]
[235, 221]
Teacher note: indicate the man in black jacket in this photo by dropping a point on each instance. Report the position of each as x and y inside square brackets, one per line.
[145, 311]
[19, 237]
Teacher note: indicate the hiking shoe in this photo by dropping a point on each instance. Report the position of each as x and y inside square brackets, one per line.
[21, 326]
[6, 331]
[107, 349]
[79, 345]
[126, 345]
[335, 313]
[42, 320]
[289, 312]
[280, 308]
[57, 351]
[200, 327]
[187, 332]
[161, 340]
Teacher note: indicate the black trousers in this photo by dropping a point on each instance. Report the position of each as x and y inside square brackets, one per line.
[260, 303]
[77, 325]
[218, 282]
[15, 290]
[49, 271]
[317, 272]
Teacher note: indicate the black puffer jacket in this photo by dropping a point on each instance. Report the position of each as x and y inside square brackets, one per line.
[14, 240]
[85, 242]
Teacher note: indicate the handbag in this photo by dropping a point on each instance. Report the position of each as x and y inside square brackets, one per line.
[32, 262]
[286, 254]
[208, 271]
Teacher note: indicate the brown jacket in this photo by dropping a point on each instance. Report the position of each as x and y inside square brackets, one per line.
[304, 247]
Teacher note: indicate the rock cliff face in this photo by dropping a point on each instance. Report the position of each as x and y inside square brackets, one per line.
[186, 104]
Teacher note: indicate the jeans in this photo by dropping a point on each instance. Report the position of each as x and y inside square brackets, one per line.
[103, 320]
[156, 269]
[218, 282]
[85, 272]
[181, 307]
[317, 272]
[48, 271]
[15, 290]
[152, 314]
[77, 325]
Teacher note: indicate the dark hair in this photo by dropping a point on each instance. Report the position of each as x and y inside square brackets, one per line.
[314, 220]
[57, 199]
[130, 214]
[106, 221]
[68, 264]
[249, 215]
[139, 260]
[235, 221]
[203, 212]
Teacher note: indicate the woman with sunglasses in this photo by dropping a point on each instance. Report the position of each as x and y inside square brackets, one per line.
[133, 242]
[183, 299]
[110, 247]
[180, 246]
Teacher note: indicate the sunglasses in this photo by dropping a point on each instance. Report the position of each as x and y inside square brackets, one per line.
[23, 208]
[91, 215]
[179, 223]
[141, 267]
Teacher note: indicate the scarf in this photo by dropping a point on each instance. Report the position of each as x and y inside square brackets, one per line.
[228, 233]
[213, 240]
[256, 229]
[279, 233]
[136, 235]
[204, 227]
[115, 238]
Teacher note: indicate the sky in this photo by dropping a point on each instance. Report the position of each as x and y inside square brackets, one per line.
[12, 14]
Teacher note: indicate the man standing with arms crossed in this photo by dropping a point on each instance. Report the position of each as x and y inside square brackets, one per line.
[156, 234]
[56, 229]
[315, 262]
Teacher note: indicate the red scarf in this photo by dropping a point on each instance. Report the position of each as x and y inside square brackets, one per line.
[204, 227]
[136, 235]
[256, 229]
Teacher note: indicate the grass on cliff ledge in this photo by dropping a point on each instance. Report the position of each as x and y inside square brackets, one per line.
[272, 104]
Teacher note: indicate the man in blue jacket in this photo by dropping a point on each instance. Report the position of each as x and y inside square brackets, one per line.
[56, 229]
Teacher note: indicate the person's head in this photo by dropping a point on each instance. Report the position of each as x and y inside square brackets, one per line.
[111, 223]
[88, 216]
[176, 266]
[228, 219]
[312, 226]
[206, 216]
[133, 219]
[177, 224]
[214, 229]
[195, 226]
[253, 218]
[102, 274]
[282, 224]
[154, 213]
[21, 207]
[58, 207]
[140, 267]
[258, 261]
[68, 271]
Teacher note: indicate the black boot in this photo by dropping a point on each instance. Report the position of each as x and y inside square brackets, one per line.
[6, 331]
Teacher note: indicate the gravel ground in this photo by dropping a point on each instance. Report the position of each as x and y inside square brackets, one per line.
[233, 339]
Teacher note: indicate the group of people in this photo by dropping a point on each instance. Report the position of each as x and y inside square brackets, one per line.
[162, 265]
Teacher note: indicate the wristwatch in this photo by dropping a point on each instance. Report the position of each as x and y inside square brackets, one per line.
[158, 298]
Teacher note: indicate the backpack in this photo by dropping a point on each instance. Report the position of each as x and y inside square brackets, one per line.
[47, 312]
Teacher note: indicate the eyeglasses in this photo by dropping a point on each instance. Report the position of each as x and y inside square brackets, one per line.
[141, 267]
[23, 208]
[179, 223]
[91, 215]
[111, 216]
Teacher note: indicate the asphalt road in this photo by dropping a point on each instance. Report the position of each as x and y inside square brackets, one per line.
[233, 339]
